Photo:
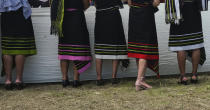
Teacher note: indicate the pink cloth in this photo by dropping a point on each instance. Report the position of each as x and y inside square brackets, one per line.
[72, 51]
[84, 68]
[74, 58]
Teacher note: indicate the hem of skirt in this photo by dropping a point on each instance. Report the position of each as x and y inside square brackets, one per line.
[74, 58]
[191, 47]
[84, 68]
[111, 56]
[6, 52]
[143, 56]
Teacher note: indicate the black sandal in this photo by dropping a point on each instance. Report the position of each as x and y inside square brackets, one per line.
[115, 81]
[19, 85]
[65, 83]
[100, 82]
[8, 86]
[194, 81]
[76, 83]
[184, 82]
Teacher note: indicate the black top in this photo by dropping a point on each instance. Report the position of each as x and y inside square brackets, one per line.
[103, 4]
[76, 4]
[191, 0]
[142, 1]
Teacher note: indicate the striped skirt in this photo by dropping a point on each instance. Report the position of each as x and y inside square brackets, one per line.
[188, 35]
[75, 44]
[142, 36]
[17, 34]
[110, 40]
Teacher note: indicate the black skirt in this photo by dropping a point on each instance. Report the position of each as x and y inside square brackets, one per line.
[75, 45]
[188, 35]
[142, 36]
[17, 34]
[110, 40]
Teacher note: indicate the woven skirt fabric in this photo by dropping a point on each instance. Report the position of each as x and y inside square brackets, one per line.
[188, 35]
[75, 44]
[142, 36]
[110, 40]
[17, 34]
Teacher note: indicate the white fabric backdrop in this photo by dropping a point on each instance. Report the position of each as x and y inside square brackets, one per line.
[44, 67]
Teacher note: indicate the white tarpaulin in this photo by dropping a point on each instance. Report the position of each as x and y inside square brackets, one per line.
[44, 67]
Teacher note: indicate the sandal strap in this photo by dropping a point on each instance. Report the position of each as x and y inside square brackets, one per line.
[195, 74]
[182, 76]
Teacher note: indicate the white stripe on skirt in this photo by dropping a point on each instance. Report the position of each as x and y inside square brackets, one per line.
[189, 47]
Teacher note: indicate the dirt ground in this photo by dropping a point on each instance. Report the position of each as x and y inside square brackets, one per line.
[166, 95]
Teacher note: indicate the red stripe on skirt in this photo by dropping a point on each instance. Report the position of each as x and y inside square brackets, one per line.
[142, 49]
[143, 56]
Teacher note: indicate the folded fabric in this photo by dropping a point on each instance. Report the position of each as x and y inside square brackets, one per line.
[202, 4]
[14, 5]
[57, 14]
[173, 11]
[141, 3]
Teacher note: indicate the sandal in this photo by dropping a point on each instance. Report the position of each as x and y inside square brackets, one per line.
[65, 83]
[19, 85]
[115, 81]
[194, 81]
[141, 85]
[182, 81]
[76, 83]
[100, 82]
[8, 86]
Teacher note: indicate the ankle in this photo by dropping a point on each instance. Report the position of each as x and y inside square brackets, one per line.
[99, 78]
[76, 78]
[194, 74]
[140, 79]
[18, 81]
[65, 78]
[114, 77]
[8, 82]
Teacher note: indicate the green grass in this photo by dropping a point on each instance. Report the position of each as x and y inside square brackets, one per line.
[165, 95]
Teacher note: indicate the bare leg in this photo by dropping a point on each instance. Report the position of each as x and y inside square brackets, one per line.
[8, 62]
[99, 68]
[76, 74]
[115, 64]
[142, 66]
[181, 57]
[137, 63]
[114, 68]
[195, 62]
[64, 64]
[19, 60]
[76, 82]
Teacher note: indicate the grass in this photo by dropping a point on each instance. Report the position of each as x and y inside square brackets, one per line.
[166, 95]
